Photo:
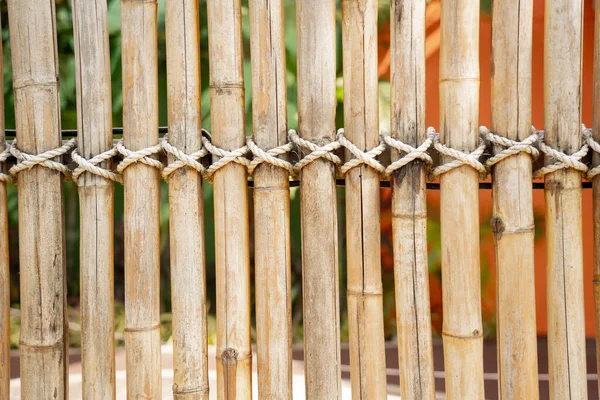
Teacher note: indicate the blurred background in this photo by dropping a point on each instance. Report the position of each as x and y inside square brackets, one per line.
[488, 287]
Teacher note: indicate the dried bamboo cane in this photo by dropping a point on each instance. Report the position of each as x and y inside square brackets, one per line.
[512, 221]
[271, 203]
[142, 199]
[596, 184]
[361, 120]
[459, 200]
[96, 199]
[4, 267]
[316, 117]
[43, 342]
[188, 282]
[562, 122]
[232, 244]
[409, 206]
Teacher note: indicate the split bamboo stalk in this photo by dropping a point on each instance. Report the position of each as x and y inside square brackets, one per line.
[361, 120]
[409, 202]
[188, 282]
[96, 199]
[562, 123]
[459, 201]
[232, 242]
[43, 342]
[596, 183]
[4, 267]
[271, 203]
[316, 118]
[512, 221]
[142, 200]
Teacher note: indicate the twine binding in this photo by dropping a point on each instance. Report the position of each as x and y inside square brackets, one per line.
[182, 159]
[460, 158]
[410, 153]
[368, 158]
[315, 152]
[91, 165]
[270, 156]
[510, 147]
[144, 156]
[27, 161]
[4, 155]
[563, 160]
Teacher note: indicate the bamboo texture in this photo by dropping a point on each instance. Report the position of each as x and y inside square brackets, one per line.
[4, 267]
[96, 200]
[459, 201]
[142, 200]
[512, 220]
[562, 123]
[188, 281]
[271, 203]
[232, 242]
[43, 342]
[596, 185]
[409, 205]
[361, 120]
[316, 49]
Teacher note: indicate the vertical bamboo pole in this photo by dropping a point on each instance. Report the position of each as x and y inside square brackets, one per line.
[43, 342]
[232, 254]
[4, 266]
[188, 282]
[562, 122]
[459, 201]
[142, 200]
[96, 199]
[512, 220]
[361, 120]
[271, 203]
[596, 183]
[316, 118]
[409, 202]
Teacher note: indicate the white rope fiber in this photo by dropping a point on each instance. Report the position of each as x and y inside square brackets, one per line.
[314, 152]
[368, 158]
[410, 153]
[270, 156]
[27, 161]
[511, 147]
[460, 158]
[143, 156]
[91, 165]
[224, 157]
[182, 159]
[563, 160]
[4, 156]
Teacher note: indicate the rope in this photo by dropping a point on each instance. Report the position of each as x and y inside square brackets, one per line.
[471, 159]
[27, 161]
[91, 166]
[269, 156]
[4, 155]
[562, 160]
[511, 147]
[315, 152]
[143, 156]
[595, 146]
[410, 153]
[182, 159]
[368, 158]
[235, 156]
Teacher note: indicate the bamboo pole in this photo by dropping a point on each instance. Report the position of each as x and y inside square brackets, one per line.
[361, 120]
[142, 200]
[596, 185]
[188, 282]
[316, 118]
[4, 266]
[409, 205]
[43, 342]
[232, 244]
[562, 123]
[459, 201]
[96, 200]
[512, 221]
[271, 203]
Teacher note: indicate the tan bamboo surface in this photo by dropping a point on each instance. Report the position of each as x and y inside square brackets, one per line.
[562, 124]
[512, 221]
[232, 242]
[315, 20]
[96, 200]
[4, 267]
[188, 281]
[142, 200]
[459, 201]
[409, 202]
[272, 253]
[43, 342]
[596, 185]
[361, 120]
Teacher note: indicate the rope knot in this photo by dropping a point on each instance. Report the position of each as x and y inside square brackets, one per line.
[563, 160]
[460, 158]
[407, 153]
[511, 147]
[315, 152]
[27, 161]
[91, 165]
[368, 158]
[270, 156]
[182, 159]
[143, 156]
[225, 157]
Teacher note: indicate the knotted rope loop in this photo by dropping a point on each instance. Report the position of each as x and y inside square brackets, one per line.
[314, 151]
[595, 146]
[368, 158]
[91, 165]
[144, 156]
[562, 160]
[511, 147]
[460, 158]
[410, 153]
[225, 157]
[27, 161]
[5, 155]
[182, 159]
[270, 156]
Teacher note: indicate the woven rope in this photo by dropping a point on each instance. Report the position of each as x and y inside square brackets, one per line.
[314, 151]
[4, 155]
[511, 147]
[270, 156]
[27, 161]
[595, 146]
[225, 157]
[410, 153]
[182, 159]
[144, 156]
[368, 158]
[562, 160]
[91, 165]
[471, 159]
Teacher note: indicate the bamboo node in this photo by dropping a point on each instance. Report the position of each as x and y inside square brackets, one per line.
[5, 155]
[315, 152]
[410, 153]
[269, 156]
[182, 159]
[460, 158]
[143, 156]
[511, 147]
[91, 165]
[27, 161]
[225, 157]
[562, 160]
[368, 158]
